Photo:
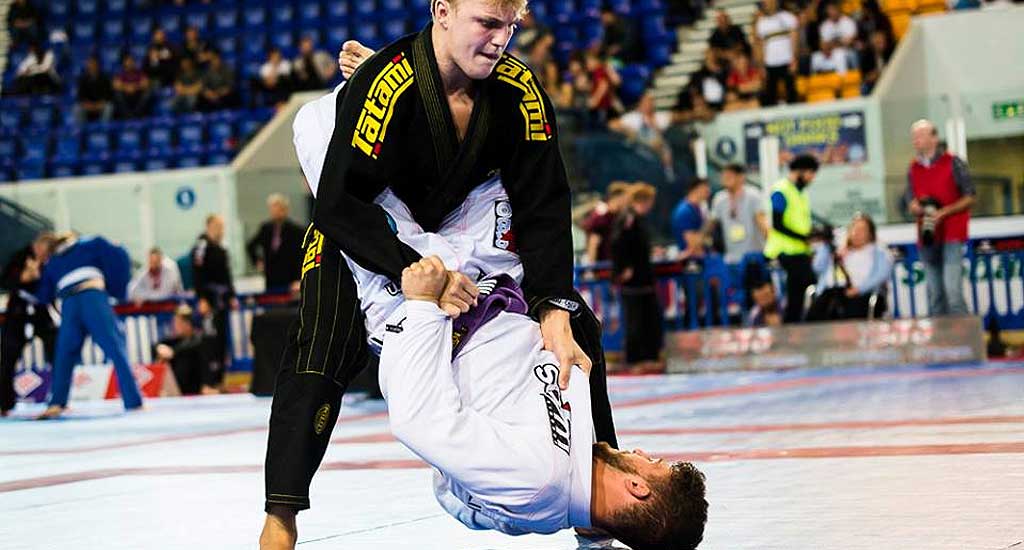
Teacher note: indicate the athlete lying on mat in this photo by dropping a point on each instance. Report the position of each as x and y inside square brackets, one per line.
[479, 401]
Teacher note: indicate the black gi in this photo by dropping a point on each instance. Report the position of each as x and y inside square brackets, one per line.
[21, 320]
[394, 129]
[211, 273]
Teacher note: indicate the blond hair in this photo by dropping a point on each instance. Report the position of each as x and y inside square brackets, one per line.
[519, 6]
[616, 188]
[641, 191]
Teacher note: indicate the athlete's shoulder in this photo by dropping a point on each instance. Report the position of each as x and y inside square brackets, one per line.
[518, 87]
[396, 53]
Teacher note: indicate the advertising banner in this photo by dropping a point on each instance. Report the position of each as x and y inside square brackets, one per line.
[834, 138]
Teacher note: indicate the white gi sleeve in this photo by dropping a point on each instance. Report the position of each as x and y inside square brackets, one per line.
[311, 134]
[485, 456]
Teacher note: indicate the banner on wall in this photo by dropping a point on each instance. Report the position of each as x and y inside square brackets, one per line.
[834, 138]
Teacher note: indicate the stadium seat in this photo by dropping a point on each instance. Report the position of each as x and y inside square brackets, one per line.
[126, 161]
[141, 29]
[930, 6]
[819, 84]
[170, 21]
[160, 134]
[64, 168]
[83, 32]
[393, 29]
[364, 9]
[367, 33]
[59, 9]
[31, 171]
[157, 159]
[116, 7]
[95, 163]
[898, 6]
[190, 130]
[199, 18]
[222, 127]
[282, 37]
[68, 146]
[113, 30]
[8, 148]
[226, 43]
[821, 95]
[336, 34]
[217, 155]
[900, 24]
[189, 157]
[130, 137]
[97, 137]
[310, 11]
[392, 6]
[337, 10]
[10, 118]
[41, 116]
[87, 9]
[225, 19]
[851, 84]
[35, 148]
[282, 13]
[256, 16]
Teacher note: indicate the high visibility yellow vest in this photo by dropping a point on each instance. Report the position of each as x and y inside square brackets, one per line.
[796, 217]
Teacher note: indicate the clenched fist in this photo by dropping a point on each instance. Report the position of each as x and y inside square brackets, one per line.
[424, 280]
[351, 56]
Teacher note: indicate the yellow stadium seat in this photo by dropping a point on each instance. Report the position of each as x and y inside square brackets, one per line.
[801, 86]
[850, 7]
[930, 6]
[851, 78]
[851, 91]
[898, 6]
[900, 24]
[926, 11]
[823, 95]
[824, 82]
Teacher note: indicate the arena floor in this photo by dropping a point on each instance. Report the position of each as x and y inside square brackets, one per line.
[895, 458]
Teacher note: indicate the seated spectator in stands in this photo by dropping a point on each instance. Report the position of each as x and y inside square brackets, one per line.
[161, 63]
[871, 19]
[37, 73]
[647, 126]
[313, 68]
[601, 219]
[218, 85]
[727, 38]
[580, 86]
[746, 81]
[186, 350]
[159, 280]
[830, 59]
[23, 22]
[848, 278]
[873, 59]
[275, 78]
[688, 220]
[710, 81]
[131, 90]
[767, 310]
[775, 34]
[95, 94]
[195, 48]
[276, 249]
[691, 106]
[603, 101]
[633, 271]
[187, 87]
[618, 40]
[528, 32]
[837, 27]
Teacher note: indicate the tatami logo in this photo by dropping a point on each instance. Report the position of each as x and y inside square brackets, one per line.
[532, 106]
[323, 414]
[384, 92]
[314, 252]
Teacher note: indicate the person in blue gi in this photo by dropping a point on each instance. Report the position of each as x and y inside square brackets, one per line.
[85, 273]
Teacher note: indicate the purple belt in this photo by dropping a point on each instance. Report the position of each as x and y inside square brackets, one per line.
[498, 293]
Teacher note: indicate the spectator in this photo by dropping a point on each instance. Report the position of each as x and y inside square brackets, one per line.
[313, 68]
[848, 279]
[775, 34]
[830, 59]
[218, 85]
[618, 39]
[195, 48]
[161, 63]
[131, 90]
[37, 73]
[187, 351]
[691, 106]
[745, 81]
[940, 194]
[790, 230]
[738, 210]
[872, 19]
[580, 85]
[160, 280]
[601, 219]
[187, 87]
[533, 41]
[24, 22]
[727, 38]
[632, 269]
[688, 220]
[766, 309]
[874, 58]
[647, 126]
[710, 81]
[23, 320]
[95, 94]
[276, 249]
[602, 102]
[837, 27]
[275, 78]
[215, 291]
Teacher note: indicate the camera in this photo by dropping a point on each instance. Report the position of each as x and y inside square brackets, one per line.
[928, 222]
[824, 232]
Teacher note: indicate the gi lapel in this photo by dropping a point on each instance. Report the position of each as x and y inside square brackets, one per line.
[455, 161]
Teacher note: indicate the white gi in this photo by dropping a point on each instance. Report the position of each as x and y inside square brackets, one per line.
[511, 451]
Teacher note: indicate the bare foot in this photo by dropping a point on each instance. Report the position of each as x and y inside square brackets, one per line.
[209, 390]
[51, 412]
[279, 531]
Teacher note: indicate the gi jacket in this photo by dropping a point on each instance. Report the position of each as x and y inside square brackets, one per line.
[393, 128]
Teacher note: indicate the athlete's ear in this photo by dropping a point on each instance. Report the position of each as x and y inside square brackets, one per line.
[441, 11]
[637, 486]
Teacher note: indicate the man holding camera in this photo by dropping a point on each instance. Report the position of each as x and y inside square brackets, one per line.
[790, 232]
[940, 195]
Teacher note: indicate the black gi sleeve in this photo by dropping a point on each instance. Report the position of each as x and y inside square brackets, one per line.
[352, 177]
[538, 188]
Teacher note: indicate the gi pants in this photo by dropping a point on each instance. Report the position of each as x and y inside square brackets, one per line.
[326, 350]
[89, 313]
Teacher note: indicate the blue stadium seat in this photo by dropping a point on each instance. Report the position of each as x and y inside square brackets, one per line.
[83, 31]
[226, 44]
[225, 19]
[141, 29]
[653, 28]
[68, 145]
[160, 134]
[222, 127]
[87, 8]
[256, 16]
[64, 168]
[35, 148]
[621, 7]
[634, 81]
[127, 161]
[10, 118]
[659, 54]
[189, 157]
[157, 159]
[130, 138]
[190, 130]
[423, 6]
[559, 7]
[337, 10]
[336, 34]
[216, 154]
[95, 163]
[364, 8]
[310, 11]
[113, 30]
[254, 45]
[393, 28]
[564, 32]
[539, 10]
[116, 7]
[97, 137]
[251, 121]
[110, 58]
[367, 33]
[282, 13]
[648, 6]
[41, 116]
[138, 51]
[198, 18]
[391, 5]
[591, 31]
[312, 33]
[31, 171]
[8, 148]
[170, 21]
[282, 37]
[59, 9]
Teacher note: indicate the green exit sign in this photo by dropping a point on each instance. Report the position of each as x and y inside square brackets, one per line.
[1008, 109]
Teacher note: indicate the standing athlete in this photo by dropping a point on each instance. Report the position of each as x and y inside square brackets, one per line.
[430, 116]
